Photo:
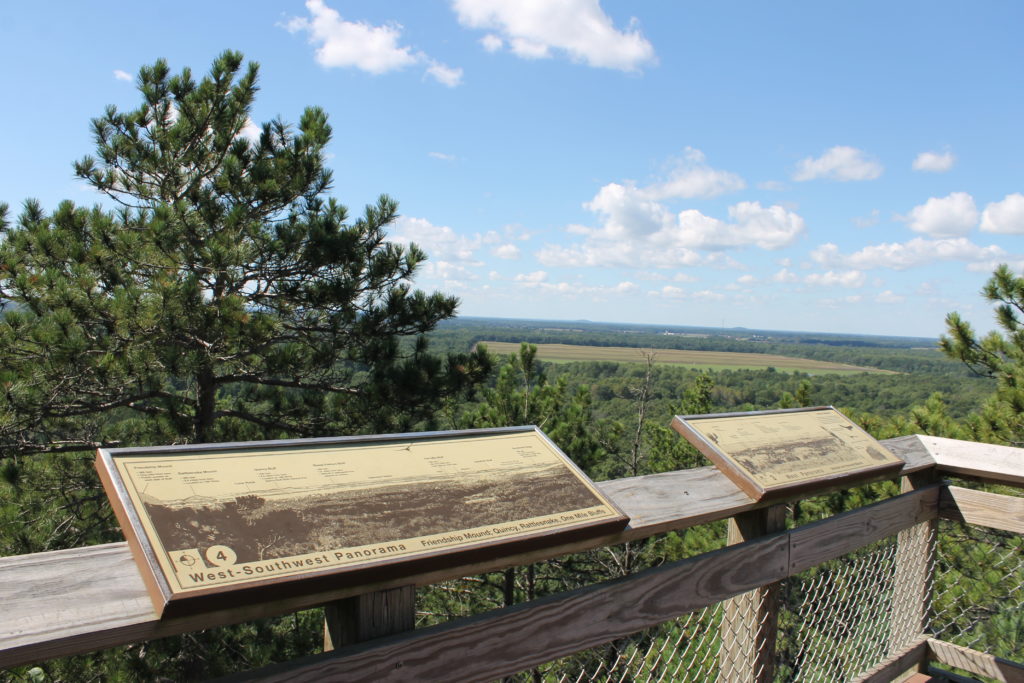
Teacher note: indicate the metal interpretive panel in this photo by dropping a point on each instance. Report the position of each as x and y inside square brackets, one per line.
[781, 452]
[212, 524]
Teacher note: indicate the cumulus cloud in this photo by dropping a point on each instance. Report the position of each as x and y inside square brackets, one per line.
[251, 131]
[637, 229]
[534, 277]
[506, 251]
[839, 163]
[933, 162]
[122, 75]
[692, 177]
[785, 275]
[917, 252]
[444, 74]
[849, 279]
[533, 29]
[639, 232]
[887, 297]
[1005, 217]
[360, 45]
[951, 216]
[445, 248]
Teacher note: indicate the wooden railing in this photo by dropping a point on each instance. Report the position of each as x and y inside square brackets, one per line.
[74, 601]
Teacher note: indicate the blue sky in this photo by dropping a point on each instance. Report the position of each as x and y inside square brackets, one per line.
[820, 166]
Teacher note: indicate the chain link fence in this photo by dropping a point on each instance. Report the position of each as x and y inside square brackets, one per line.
[836, 620]
[979, 589]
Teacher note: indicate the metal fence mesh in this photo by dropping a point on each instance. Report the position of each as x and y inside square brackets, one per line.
[843, 617]
[835, 621]
[979, 590]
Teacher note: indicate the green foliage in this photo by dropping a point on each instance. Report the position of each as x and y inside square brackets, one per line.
[218, 295]
[522, 395]
[999, 354]
[225, 298]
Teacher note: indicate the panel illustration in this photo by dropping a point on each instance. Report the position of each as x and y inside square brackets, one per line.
[782, 450]
[227, 517]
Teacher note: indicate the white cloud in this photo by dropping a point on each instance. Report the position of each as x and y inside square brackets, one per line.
[452, 273]
[440, 242]
[445, 75]
[251, 131]
[442, 156]
[532, 29]
[122, 75]
[1005, 217]
[692, 177]
[785, 275]
[951, 216]
[708, 295]
[933, 162]
[916, 252]
[839, 163]
[360, 45]
[746, 279]
[887, 297]
[768, 228]
[506, 251]
[772, 185]
[670, 292]
[492, 43]
[637, 232]
[534, 277]
[850, 279]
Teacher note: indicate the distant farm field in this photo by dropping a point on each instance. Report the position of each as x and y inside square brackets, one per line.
[711, 360]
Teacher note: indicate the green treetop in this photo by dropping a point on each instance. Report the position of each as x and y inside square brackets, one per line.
[224, 297]
[999, 354]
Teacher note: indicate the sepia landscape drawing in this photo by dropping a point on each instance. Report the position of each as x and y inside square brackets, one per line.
[202, 510]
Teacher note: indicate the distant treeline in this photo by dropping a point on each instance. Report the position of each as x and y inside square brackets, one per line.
[909, 355]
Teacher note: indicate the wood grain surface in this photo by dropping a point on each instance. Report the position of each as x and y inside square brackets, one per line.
[981, 507]
[985, 461]
[976, 662]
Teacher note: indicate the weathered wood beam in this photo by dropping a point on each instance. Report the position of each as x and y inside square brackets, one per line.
[910, 657]
[985, 461]
[993, 510]
[976, 662]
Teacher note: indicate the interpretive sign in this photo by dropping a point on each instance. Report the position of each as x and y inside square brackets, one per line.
[781, 452]
[212, 524]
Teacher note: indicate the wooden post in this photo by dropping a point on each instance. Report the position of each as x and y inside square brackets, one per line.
[912, 584]
[750, 621]
[368, 616]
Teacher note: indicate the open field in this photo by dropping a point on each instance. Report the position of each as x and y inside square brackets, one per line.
[711, 360]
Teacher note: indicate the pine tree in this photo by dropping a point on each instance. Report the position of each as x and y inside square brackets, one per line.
[999, 354]
[224, 296]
